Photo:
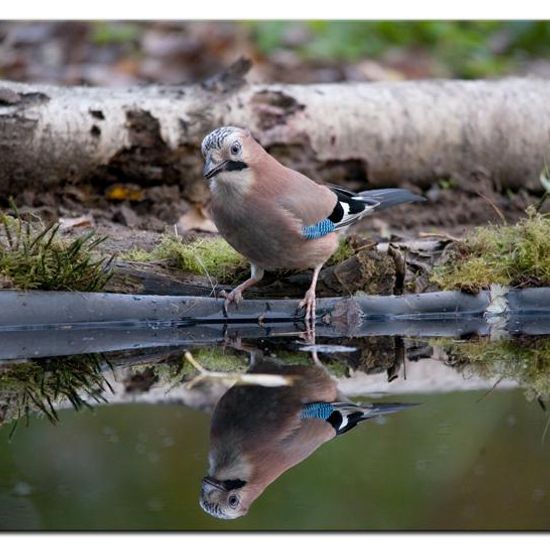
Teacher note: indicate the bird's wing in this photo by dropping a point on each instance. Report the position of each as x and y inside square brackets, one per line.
[304, 199]
[350, 207]
[320, 209]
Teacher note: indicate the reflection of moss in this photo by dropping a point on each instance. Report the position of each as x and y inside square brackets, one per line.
[507, 254]
[526, 360]
[217, 359]
[337, 366]
[220, 360]
[37, 385]
[32, 257]
[211, 256]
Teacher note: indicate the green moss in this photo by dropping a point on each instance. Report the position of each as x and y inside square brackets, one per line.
[220, 360]
[336, 367]
[526, 361]
[35, 257]
[211, 256]
[138, 255]
[343, 252]
[514, 255]
[293, 357]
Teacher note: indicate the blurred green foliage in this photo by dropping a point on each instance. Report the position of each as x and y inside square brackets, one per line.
[467, 49]
[113, 32]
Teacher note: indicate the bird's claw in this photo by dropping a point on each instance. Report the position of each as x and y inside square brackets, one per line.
[233, 297]
[309, 304]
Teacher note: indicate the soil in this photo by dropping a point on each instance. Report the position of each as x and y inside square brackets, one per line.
[158, 208]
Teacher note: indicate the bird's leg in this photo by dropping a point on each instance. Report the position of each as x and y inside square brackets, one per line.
[236, 295]
[309, 299]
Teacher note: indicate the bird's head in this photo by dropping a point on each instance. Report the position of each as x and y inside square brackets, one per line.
[228, 153]
[224, 499]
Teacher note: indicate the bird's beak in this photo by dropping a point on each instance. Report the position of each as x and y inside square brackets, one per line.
[213, 482]
[210, 169]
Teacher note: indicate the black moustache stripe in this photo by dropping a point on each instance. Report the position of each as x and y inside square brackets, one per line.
[230, 484]
[234, 165]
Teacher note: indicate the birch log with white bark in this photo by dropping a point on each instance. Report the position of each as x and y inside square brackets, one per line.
[366, 133]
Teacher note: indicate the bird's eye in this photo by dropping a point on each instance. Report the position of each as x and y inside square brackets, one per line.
[233, 501]
[235, 148]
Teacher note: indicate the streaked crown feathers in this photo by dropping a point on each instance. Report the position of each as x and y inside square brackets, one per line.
[216, 138]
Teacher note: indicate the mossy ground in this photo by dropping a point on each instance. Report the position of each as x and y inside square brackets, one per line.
[513, 255]
[526, 361]
[206, 256]
[211, 256]
[34, 256]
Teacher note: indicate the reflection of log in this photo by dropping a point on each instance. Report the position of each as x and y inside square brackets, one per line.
[381, 133]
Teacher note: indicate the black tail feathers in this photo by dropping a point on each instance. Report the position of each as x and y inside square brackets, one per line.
[347, 415]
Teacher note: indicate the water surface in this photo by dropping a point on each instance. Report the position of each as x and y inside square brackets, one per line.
[467, 457]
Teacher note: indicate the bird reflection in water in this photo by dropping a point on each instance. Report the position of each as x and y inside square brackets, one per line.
[258, 433]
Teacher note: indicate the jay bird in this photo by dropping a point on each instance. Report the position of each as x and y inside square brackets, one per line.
[257, 433]
[276, 217]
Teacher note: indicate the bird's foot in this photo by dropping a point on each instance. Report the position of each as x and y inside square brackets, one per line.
[233, 297]
[235, 342]
[309, 303]
[308, 335]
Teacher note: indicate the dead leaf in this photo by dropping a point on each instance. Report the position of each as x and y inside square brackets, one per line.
[196, 219]
[124, 192]
[65, 224]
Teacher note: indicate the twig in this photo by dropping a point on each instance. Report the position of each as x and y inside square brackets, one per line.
[494, 207]
[256, 379]
[441, 234]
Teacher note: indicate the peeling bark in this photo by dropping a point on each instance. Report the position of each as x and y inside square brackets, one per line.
[358, 134]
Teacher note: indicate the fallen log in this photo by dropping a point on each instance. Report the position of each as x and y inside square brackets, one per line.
[41, 324]
[357, 133]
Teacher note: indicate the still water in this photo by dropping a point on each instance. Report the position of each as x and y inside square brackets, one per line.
[472, 454]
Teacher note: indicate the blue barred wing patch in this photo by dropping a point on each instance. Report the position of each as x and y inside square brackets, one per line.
[318, 230]
[317, 410]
